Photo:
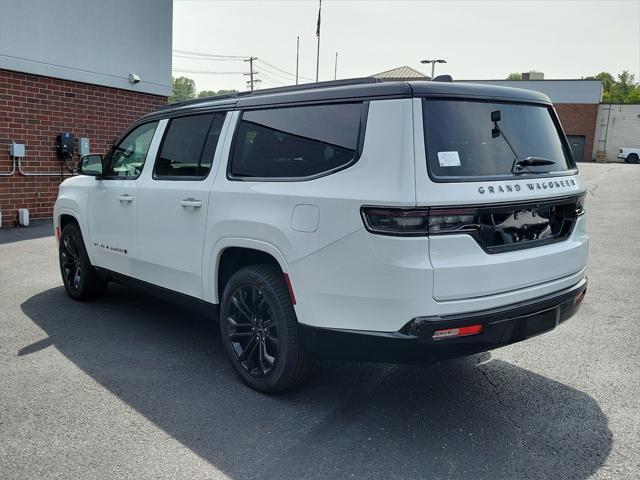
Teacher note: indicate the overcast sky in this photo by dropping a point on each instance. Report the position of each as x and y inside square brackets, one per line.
[479, 39]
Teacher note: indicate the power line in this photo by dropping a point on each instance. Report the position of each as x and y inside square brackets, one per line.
[271, 84]
[215, 56]
[210, 55]
[271, 72]
[283, 71]
[208, 59]
[278, 83]
[205, 72]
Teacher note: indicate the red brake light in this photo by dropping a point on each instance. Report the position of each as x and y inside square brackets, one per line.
[457, 332]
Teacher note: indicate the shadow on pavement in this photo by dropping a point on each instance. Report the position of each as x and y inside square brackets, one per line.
[471, 418]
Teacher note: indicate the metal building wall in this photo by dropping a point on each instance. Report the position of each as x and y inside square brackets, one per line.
[618, 125]
[92, 41]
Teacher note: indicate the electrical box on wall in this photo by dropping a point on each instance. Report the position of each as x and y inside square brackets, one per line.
[64, 145]
[83, 147]
[16, 150]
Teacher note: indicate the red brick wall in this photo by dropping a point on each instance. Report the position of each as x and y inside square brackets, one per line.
[34, 109]
[579, 119]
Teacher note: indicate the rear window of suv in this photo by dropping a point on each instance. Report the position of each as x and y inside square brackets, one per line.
[296, 142]
[468, 140]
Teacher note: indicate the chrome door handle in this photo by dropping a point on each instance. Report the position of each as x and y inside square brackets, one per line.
[125, 198]
[191, 202]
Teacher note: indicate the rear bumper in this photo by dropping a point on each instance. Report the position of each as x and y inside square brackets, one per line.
[414, 342]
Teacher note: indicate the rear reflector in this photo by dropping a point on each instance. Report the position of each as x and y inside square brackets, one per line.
[287, 281]
[579, 297]
[457, 332]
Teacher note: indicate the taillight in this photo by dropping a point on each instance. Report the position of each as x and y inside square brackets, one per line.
[396, 221]
[580, 204]
[418, 221]
[452, 220]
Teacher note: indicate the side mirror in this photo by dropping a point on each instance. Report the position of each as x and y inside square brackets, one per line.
[495, 116]
[91, 165]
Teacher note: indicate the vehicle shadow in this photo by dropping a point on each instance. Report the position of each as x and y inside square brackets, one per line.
[471, 418]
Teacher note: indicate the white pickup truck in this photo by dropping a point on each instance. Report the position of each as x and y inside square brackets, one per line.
[629, 155]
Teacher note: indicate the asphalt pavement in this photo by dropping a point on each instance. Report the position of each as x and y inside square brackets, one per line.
[131, 387]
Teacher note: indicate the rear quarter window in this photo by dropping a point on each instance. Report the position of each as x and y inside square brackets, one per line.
[296, 142]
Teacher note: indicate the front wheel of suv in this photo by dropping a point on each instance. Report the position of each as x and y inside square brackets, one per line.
[632, 158]
[259, 330]
[78, 275]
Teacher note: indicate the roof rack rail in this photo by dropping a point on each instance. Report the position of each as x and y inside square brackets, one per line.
[197, 100]
[310, 86]
[266, 91]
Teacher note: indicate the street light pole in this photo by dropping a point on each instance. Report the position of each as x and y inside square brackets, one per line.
[433, 65]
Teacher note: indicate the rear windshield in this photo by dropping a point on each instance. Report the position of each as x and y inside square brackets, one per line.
[471, 139]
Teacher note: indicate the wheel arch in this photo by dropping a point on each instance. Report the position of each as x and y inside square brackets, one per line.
[231, 254]
[63, 216]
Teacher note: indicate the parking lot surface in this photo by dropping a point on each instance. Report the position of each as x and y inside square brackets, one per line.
[131, 387]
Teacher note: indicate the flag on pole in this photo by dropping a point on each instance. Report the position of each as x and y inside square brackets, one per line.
[318, 26]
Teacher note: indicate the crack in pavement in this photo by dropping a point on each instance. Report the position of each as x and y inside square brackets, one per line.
[521, 430]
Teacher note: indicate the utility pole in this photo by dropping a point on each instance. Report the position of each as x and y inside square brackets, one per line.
[335, 68]
[251, 73]
[318, 35]
[297, 57]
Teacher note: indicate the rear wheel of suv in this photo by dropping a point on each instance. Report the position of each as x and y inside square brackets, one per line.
[259, 330]
[78, 275]
[632, 158]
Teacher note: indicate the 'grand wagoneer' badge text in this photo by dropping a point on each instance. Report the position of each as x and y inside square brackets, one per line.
[506, 188]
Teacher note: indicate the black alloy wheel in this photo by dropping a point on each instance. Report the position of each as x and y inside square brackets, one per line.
[70, 263]
[80, 279]
[260, 331]
[252, 332]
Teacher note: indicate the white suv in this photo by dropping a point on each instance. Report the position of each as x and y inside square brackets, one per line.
[358, 220]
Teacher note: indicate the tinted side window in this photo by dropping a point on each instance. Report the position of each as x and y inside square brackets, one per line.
[296, 141]
[182, 146]
[127, 158]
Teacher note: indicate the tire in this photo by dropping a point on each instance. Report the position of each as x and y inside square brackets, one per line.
[80, 279]
[632, 158]
[259, 330]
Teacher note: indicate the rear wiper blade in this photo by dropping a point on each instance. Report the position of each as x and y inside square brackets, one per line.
[520, 164]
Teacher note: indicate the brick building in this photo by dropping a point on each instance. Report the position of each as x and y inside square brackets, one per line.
[91, 82]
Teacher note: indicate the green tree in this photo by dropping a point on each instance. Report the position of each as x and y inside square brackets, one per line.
[514, 76]
[606, 79]
[623, 90]
[182, 88]
[213, 93]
